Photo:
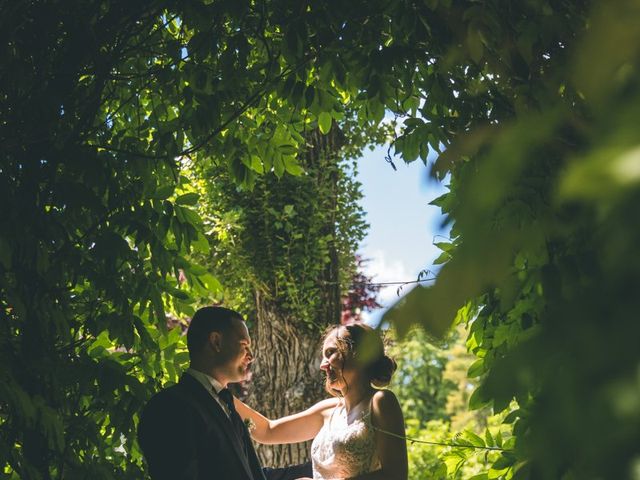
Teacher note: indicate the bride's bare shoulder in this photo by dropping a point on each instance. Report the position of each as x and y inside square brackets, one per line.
[327, 405]
[384, 400]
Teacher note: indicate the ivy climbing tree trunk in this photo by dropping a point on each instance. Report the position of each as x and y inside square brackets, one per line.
[322, 157]
[286, 376]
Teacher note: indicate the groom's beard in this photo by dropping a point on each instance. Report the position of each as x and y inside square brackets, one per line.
[244, 372]
[238, 372]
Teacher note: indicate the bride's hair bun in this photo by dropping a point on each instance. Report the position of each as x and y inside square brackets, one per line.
[382, 370]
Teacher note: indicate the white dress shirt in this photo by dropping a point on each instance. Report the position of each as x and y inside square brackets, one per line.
[211, 385]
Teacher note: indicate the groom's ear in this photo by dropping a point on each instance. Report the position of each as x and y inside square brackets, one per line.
[215, 341]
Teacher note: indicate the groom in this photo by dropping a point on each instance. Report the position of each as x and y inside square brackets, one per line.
[191, 430]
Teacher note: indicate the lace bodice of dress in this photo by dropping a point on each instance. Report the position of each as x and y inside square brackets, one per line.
[342, 449]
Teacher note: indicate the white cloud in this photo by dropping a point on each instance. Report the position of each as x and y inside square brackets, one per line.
[383, 270]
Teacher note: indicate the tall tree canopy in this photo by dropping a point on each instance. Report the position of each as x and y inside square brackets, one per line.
[533, 104]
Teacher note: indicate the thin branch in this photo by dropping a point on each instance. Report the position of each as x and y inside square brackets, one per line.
[441, 444]
[384, 284]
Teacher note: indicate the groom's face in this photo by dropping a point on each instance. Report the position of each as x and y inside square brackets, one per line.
[236, 352]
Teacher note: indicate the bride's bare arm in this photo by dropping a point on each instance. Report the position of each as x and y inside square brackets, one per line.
[295, 428]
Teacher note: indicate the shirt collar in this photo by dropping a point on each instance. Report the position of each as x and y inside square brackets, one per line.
[207, 381]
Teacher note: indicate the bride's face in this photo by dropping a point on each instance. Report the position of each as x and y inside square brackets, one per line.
[332, 363]
[337, 368]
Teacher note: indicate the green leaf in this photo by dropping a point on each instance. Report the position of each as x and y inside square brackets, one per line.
[211, 282]
[188, 199]
[158, 308]
[287, 149]
[424, 151]
[324, 122]
[489, 438]
[476, 369]
[192, 217]
[477, 399]
[163, 192]
[411, 148]
[179, 294]
[445, 246]
[454, 461]
[292, 166]
[472, 438]
[441, 201]
[309, 95]
[278, 166]
[505, 461]
[256, 164]
[442, 258]
[494, 474]
[376, 110]
[143, 333]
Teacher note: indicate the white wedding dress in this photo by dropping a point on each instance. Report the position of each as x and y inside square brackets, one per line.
[342, 449]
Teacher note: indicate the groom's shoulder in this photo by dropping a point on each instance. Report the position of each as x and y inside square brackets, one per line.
[169, 403]
[166, 414]
[169, 394]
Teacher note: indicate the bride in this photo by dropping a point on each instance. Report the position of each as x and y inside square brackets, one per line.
[358, 434]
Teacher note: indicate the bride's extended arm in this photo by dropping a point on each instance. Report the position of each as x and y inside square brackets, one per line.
[295, 428]
[386, 416]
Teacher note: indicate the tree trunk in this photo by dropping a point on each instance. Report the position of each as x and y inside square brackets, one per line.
[286, 376]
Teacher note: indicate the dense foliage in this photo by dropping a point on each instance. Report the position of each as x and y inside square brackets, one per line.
[542, 262]
[103, 102]
[281, 236]
[446, 440]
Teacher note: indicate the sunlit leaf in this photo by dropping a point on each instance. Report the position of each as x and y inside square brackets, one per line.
[324, 122]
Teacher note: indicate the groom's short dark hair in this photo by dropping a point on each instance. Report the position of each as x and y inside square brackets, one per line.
[207, 320]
